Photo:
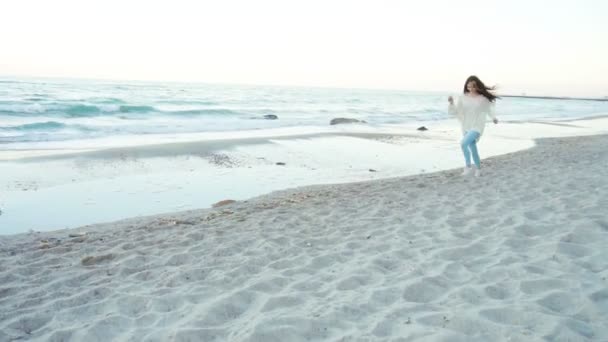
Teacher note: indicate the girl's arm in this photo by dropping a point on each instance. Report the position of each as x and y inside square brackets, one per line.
[456, 110]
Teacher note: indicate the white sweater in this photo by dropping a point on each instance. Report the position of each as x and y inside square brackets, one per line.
[471, 111]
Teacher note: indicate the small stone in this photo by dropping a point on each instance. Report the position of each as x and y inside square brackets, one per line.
[79, 239]
[338, 121]
[280, 163]
[372, 170]
[222, 203]
[422, 128]
[73, 235]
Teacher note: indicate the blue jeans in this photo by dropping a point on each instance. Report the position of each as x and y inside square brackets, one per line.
[469, 146]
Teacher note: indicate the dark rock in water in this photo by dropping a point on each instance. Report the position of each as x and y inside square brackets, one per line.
[281, 163]
[422, 128]
[372, 170]
[265, 117]
[338, 121]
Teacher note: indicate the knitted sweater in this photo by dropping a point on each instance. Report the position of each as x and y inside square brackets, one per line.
[471, 111]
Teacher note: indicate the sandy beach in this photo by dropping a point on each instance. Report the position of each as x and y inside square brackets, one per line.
[516, 255]
[318, 171]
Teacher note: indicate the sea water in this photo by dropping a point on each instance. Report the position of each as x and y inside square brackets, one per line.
[37, 112]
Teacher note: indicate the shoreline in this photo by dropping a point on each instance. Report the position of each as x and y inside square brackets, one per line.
[112, 184]
[60, 148]
[517, 254]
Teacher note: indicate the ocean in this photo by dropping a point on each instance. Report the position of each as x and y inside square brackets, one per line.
[35, 112]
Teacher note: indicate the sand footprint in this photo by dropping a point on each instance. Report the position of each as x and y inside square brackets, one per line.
[282, 302]
[325, 261]
[308, 286]
[573, 250]
[352, 283]
[533, 229]
[505, 316]
[571, 330]
[107, 328]
[600, 299]
[207, 335]
[456, 272]
[425, 290]
[538, 214]
[560, 302]
[385, 297]
[542, 285]
[167, 303]
[26, 326]
[228, 309]
[58, 336]
[132, 306]
[387, 265]
[497, 292]
[386, 327]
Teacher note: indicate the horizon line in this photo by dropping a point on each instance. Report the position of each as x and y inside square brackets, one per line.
[245, 84]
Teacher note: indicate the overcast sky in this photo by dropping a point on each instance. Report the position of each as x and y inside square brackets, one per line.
[538, 47]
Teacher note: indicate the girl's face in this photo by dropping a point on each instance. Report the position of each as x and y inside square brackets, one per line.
[472, 87]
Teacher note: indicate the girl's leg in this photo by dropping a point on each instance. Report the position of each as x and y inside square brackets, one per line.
[473, 147]
[468, 137]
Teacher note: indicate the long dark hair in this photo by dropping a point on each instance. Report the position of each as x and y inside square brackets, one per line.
[481, 88]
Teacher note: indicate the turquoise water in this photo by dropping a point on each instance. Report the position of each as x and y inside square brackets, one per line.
[38, 111]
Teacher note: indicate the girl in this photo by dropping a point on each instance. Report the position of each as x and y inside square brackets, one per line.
[476, 102]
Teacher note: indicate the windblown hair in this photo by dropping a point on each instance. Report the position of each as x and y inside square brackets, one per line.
[481, 88]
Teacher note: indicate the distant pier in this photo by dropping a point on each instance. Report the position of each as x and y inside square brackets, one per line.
[605, 99]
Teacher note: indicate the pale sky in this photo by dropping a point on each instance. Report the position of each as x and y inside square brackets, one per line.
[534, 46]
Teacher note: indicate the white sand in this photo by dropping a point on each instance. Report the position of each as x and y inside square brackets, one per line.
[517, 255]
